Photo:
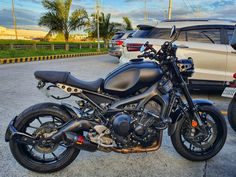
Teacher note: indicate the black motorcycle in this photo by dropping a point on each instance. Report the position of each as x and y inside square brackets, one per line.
[126, 113]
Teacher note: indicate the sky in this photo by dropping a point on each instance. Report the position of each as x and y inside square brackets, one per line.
[28, 12]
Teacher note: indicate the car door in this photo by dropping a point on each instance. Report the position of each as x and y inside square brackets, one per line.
[231, 55]
[205, 46]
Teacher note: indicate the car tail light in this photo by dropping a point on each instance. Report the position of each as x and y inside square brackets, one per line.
[133, 47]
[233, 83]
[234, 76]
[119, 43]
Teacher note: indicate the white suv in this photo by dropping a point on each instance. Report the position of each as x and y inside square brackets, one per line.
[206, 41]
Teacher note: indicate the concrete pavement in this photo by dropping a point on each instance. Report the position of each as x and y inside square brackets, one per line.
[18, 91]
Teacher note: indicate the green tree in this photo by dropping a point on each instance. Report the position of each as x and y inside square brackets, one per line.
[106, 27]
[58, 18]
[128, 23]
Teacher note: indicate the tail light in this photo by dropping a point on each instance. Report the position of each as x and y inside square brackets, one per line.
[119, 43]
[234, 76]
[133, 47]
[233, 83]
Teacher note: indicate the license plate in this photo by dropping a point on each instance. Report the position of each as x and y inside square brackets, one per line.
[229, 92]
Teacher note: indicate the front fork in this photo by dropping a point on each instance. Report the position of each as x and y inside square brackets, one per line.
[192, 107]
[193, 110]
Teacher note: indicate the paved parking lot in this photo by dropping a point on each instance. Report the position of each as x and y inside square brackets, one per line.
[18, 91]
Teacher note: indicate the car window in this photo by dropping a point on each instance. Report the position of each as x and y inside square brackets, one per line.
[230, 34]
[117, 36]
[130, 35]
[141, 33]
[158, 33]
[182, 36]
[204, 36]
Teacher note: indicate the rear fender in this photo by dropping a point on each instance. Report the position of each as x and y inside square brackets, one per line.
[176, 116]
[72, 111]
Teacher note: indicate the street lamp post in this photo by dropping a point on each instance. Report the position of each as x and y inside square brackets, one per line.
[14, 19]
[98, 26]
[170, 10]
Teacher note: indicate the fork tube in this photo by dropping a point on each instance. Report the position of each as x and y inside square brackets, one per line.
[186, 94]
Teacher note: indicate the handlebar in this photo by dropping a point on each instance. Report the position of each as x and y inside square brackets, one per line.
[149, 55]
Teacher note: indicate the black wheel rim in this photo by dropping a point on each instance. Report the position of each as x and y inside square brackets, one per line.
[31, 152]
[218, 131]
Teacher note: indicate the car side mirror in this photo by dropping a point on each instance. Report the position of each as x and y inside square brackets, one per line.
[233, 40]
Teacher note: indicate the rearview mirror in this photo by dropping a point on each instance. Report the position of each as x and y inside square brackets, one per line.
[173, 31]
[233, 40]
[143, 48]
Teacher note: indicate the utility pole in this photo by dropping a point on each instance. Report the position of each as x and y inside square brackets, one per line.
[14, 19]
[145, 12]
[170, 10]
[98, 26]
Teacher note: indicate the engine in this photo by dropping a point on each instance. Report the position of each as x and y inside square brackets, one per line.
[133, 130]
[129, 130]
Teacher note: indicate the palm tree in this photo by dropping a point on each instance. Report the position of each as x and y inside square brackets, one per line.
[128, 23]
[106, 27]
[58, 18]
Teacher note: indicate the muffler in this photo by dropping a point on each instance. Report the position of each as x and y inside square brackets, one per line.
[73, 126]
[79, 142]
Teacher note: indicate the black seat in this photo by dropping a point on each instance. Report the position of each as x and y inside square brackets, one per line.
[67, 79]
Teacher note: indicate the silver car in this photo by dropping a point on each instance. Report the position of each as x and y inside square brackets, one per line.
[115, 44]
[206, 41]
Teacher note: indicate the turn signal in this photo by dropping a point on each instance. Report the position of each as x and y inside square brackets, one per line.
[194, 123]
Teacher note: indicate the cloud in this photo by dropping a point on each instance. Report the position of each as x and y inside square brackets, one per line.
[23, 17]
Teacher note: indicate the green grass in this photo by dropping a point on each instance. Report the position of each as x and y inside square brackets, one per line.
[39, 42]
[42, 52]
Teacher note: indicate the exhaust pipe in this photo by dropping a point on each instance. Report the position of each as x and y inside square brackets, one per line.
[79, 142]
[73, 126]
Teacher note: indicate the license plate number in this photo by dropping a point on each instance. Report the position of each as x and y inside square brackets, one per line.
[229, 92]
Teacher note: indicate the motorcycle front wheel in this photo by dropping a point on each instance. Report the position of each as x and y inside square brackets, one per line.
[36, 121]
[190, 143]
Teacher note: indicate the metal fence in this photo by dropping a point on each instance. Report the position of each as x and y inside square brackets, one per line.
[49, 46]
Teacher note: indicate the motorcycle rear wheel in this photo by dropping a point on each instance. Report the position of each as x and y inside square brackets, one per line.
[38, 158]
[200, 150]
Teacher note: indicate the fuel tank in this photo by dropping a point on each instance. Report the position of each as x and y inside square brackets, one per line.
[129, 78]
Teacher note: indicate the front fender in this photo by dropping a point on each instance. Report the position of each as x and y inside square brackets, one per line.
[176, 116]
[202, 102]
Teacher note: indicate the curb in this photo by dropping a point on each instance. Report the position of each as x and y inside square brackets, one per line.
[49, 57]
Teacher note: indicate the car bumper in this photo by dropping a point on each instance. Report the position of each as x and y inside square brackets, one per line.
[115, 53]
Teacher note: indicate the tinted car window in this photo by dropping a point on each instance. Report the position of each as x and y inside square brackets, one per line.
[158, 33]
[141, 33]
[117, 36]
[130, 35]
[230, 34]
[182, 36]
[204, 36]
